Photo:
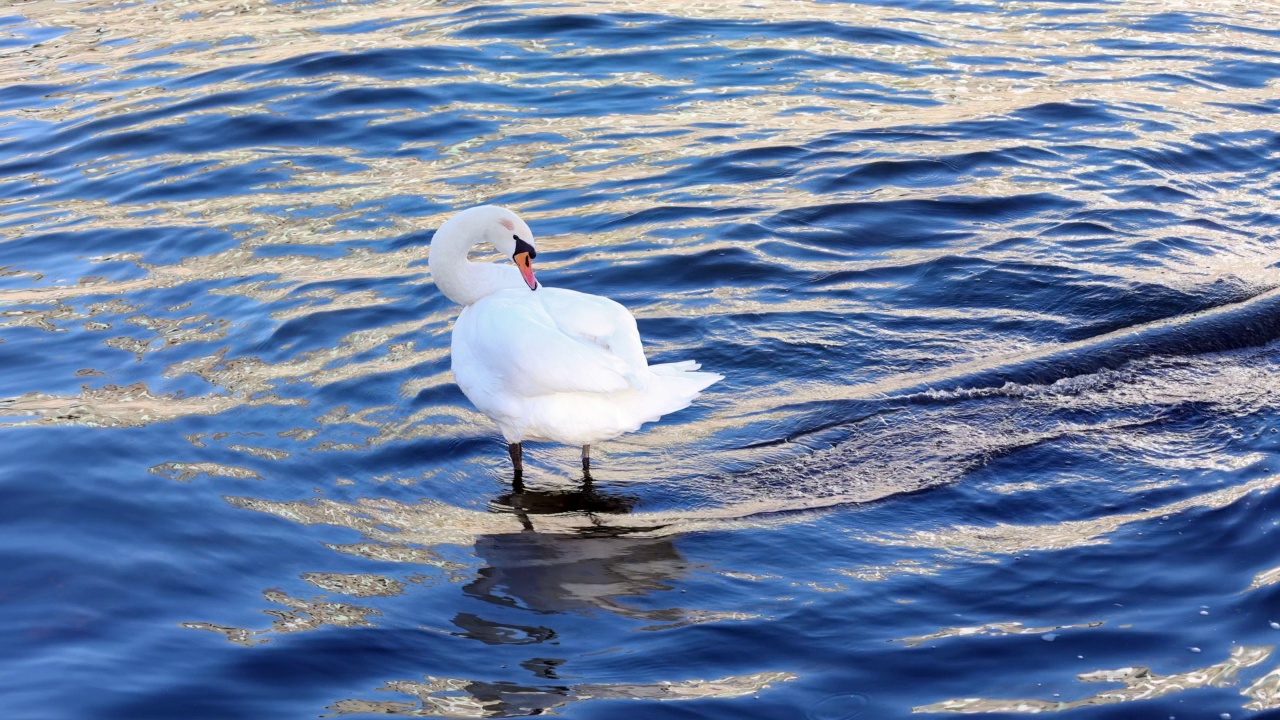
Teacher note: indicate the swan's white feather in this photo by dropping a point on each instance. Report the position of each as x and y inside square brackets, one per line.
[511, 340]
[598, 320]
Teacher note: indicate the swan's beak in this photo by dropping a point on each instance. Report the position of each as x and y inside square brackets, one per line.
[525, 263]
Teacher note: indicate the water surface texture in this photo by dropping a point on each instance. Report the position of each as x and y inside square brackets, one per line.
[994, 287]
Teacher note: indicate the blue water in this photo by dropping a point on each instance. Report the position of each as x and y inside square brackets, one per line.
[993, 286]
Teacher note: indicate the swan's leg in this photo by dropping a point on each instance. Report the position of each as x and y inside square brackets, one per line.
[586, 458]
[517, 459]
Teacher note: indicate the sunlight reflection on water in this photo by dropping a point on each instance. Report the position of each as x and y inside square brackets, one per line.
[1020, 256]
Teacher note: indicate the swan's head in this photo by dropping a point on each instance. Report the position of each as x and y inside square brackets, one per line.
[505, 231]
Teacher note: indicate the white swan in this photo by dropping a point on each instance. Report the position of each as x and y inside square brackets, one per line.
[546, 363]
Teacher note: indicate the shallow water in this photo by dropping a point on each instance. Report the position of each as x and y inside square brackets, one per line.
[992, 286]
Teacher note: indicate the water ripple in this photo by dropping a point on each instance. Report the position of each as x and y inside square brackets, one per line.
[992, 286]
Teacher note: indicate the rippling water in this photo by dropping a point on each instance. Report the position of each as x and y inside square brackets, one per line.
[993, 286]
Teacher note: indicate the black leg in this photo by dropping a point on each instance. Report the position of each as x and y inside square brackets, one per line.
[517, 461]
[586, 462]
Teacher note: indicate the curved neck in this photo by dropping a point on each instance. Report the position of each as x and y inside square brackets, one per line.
[461, 280]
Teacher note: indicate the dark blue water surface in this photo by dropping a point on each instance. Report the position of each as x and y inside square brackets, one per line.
[993, 287]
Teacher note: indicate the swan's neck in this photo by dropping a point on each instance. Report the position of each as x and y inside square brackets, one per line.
[461, 280]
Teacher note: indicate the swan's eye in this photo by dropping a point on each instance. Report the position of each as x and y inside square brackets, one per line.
[522, 246]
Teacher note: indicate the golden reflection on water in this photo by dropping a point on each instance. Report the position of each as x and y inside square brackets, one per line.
[459, 698]
[1264, 693]
[130, 406]
[1140, 683]
[430, 523]
[301, 616]
[185, 472]
[1008, 539]
[355, 584]
[443, 569]
[998, 629]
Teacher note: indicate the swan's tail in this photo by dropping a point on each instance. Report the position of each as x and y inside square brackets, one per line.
[675, 385]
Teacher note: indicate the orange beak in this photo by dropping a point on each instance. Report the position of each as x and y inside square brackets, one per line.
[525, 263]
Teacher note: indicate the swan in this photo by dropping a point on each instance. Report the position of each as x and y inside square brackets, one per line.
[546, 364]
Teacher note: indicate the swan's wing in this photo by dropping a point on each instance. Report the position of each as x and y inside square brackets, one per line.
[512, 339]
[599, 321]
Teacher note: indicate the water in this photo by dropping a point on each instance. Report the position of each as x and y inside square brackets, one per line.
[992, 286]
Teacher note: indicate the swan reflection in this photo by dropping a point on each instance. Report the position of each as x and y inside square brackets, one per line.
[590, 569]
